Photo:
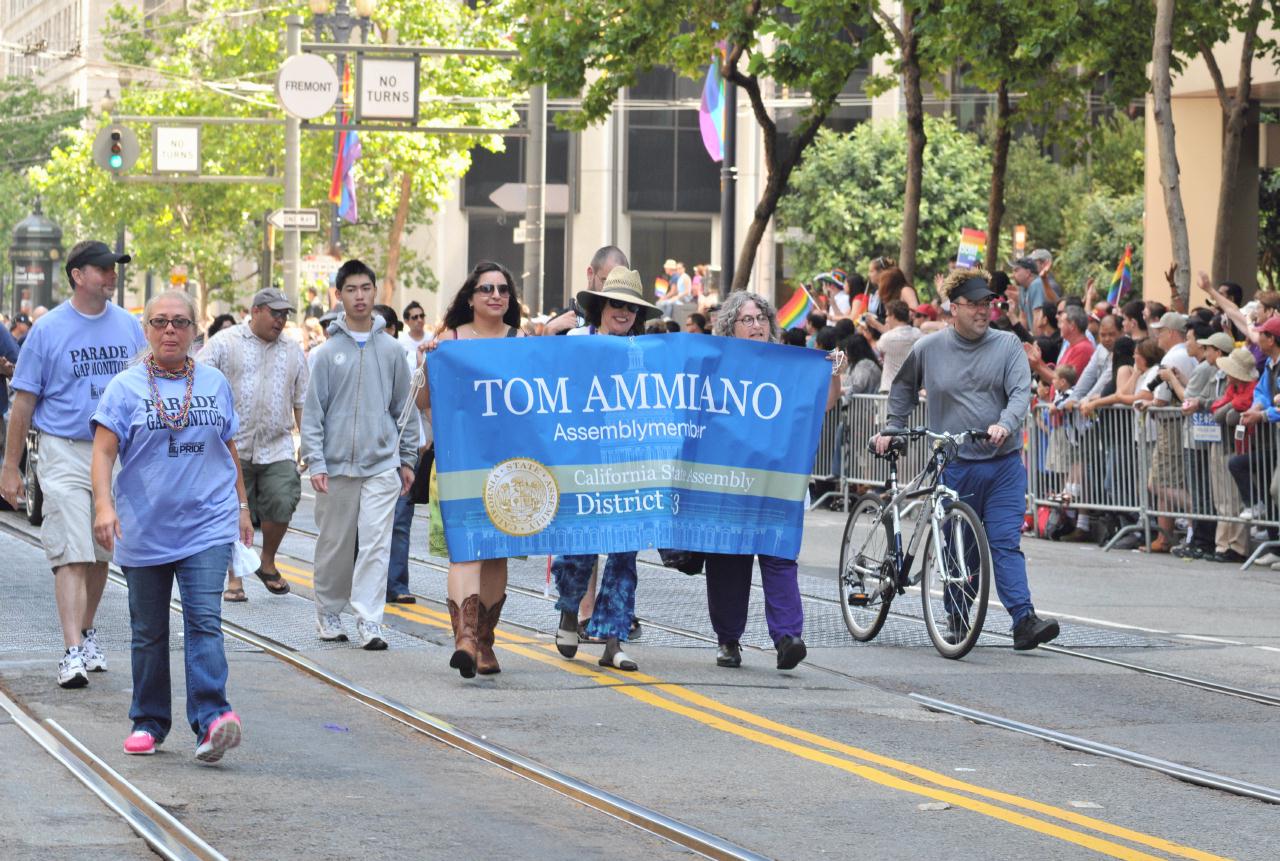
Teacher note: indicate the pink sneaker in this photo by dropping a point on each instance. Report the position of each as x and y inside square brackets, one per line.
[140, 743]
[223, 734]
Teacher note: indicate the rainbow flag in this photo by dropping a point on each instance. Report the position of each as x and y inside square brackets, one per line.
[660, 287]
[793, 314]
[711, 109]
[1123, 279]
[342, 184]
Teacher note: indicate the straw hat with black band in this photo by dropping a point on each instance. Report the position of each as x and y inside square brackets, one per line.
[622, 285]
[1239, 365]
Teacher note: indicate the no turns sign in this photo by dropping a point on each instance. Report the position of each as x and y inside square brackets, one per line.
[388, 89]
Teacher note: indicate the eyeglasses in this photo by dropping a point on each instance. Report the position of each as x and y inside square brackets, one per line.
[618, 303]
[503, 289]
[279, 313]
[983, 306]
[415, 316]
[749, 321]
[161, 323]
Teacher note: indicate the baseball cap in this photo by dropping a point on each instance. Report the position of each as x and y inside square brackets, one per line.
[1041, 255]
[973, 289]
[1175, 321]
[273, 299]
[1271, 327]
[1026, 263]
[94, 254]
[924, 309]
[1221, 342]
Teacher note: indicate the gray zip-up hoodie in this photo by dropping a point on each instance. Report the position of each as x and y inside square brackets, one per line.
[354, 400]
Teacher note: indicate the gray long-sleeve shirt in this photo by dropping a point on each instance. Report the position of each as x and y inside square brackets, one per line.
[969, 384]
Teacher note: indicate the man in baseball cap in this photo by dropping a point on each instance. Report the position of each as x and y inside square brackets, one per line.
[268, 376]
[93, 253]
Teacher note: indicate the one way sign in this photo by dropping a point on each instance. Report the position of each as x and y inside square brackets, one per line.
[295, 219]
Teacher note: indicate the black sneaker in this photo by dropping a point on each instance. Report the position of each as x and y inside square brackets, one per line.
[729, 655]
[1188, 551]
[1229, 556]
[957, 628]
[791, 652]
[1032, 631]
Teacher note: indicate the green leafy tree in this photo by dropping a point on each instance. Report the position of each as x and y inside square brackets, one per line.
[809, 47]
[846, 198]
[1040, 194]
[31, 124]
[216, 59]
[1097, 232]
[1116, 154]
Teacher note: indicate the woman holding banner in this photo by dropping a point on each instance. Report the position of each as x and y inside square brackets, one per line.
[618, 309]
[746, 315]
[486, 306]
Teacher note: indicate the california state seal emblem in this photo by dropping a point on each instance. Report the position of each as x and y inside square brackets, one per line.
[521, 496]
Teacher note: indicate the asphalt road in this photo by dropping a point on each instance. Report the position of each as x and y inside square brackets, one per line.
[829, 760]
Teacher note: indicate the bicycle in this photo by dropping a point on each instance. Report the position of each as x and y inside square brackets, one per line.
[875, 568]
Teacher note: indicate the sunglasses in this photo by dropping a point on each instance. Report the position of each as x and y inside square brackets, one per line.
[161, 323]
[279, 314]
[487, 289]
[618, 303]
[416, 317]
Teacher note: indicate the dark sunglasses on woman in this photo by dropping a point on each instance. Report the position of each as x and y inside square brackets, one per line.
[503, 289]
[618, 303]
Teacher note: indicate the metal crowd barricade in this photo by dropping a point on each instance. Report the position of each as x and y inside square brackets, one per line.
[1158, 463]
[828, 464]
[866, 417]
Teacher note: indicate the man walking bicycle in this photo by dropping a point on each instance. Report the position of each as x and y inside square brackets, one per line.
[977, 377]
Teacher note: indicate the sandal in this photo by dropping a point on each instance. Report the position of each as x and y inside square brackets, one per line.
[614, 657]
[275, 584]
[234, 596]
[583, 636]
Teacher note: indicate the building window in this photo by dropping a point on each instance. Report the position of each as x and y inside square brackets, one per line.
[668, 169]
[489, 170]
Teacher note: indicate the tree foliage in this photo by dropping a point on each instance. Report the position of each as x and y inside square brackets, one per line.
[846, 198]
[214, 59]
[1040, 194]
[31, 125]
[595, 48]
[1096, 235]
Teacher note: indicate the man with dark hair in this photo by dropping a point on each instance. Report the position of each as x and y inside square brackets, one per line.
[602, 263]
[314, 308]
[361, 461]
[987, 384]
[415, 319]
[813, 324]
[65, 364]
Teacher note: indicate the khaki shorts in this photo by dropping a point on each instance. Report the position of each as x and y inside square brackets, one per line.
[67, 530]
[273, 490]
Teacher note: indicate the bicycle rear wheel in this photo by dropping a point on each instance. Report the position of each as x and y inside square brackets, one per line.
[866, 582]
[956, 581]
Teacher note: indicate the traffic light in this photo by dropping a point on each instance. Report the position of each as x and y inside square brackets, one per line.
[115, 148]
[116, 159]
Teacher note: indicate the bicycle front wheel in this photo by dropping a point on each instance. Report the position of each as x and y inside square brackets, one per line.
[866, 582]
[956, 581]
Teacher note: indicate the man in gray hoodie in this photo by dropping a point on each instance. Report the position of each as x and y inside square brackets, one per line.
[359, 458]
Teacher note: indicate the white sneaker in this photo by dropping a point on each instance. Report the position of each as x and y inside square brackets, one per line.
[1253, 511]
[71, 671]
[330, 627]
[371, 636]
[94, 660]
[1267, 559]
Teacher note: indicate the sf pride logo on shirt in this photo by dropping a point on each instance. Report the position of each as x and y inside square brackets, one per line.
[98, 361]
[179, 449]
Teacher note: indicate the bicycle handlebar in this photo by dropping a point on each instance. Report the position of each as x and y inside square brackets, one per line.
[957, 438]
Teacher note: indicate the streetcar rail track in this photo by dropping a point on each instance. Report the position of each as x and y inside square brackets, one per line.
[1173, 769]
[164, 833]
[1259, 697]
[645, 819]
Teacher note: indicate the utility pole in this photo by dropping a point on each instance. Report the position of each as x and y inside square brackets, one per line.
[535, 173]
[728, 189]
[124, 267]
[292, 171]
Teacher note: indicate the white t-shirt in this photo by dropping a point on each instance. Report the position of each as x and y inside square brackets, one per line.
[410, 343]
[842, 301]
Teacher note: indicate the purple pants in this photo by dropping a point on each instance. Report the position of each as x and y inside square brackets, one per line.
[729, 593]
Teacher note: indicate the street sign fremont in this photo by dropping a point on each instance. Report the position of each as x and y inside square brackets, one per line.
[295, 219]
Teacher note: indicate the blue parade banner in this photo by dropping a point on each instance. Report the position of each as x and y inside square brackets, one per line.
[608, 444]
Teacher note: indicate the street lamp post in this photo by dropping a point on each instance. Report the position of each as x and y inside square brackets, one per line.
[340, 23]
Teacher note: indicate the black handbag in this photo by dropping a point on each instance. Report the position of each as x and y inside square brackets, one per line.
[685, 561]
[420, 492]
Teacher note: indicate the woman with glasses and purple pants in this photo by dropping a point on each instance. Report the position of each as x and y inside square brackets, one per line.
[746, 315]
[179, 508]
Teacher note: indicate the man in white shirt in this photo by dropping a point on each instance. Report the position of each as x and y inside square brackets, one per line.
[413, 337]
[268, 375]
[1170, 332]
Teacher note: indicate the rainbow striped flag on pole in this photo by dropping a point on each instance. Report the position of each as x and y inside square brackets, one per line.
[1123, 279]
[711, 109]
[793, 314]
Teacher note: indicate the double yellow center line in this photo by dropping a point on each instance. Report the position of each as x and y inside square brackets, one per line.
[1036, 816]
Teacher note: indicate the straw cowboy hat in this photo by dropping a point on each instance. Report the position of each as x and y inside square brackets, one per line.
[1239, 365]
[625, 286]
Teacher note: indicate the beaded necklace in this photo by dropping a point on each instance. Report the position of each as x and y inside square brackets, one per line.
[188, 372]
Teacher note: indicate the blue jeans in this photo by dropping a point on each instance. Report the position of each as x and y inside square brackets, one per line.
[200, 586]
[398, 564]
[615, 599]
[997, 491]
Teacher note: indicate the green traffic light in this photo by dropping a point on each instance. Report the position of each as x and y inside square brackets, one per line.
[116, 161]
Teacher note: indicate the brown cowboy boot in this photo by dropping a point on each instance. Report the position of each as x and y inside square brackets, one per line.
[465, 619]
[486, 660]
